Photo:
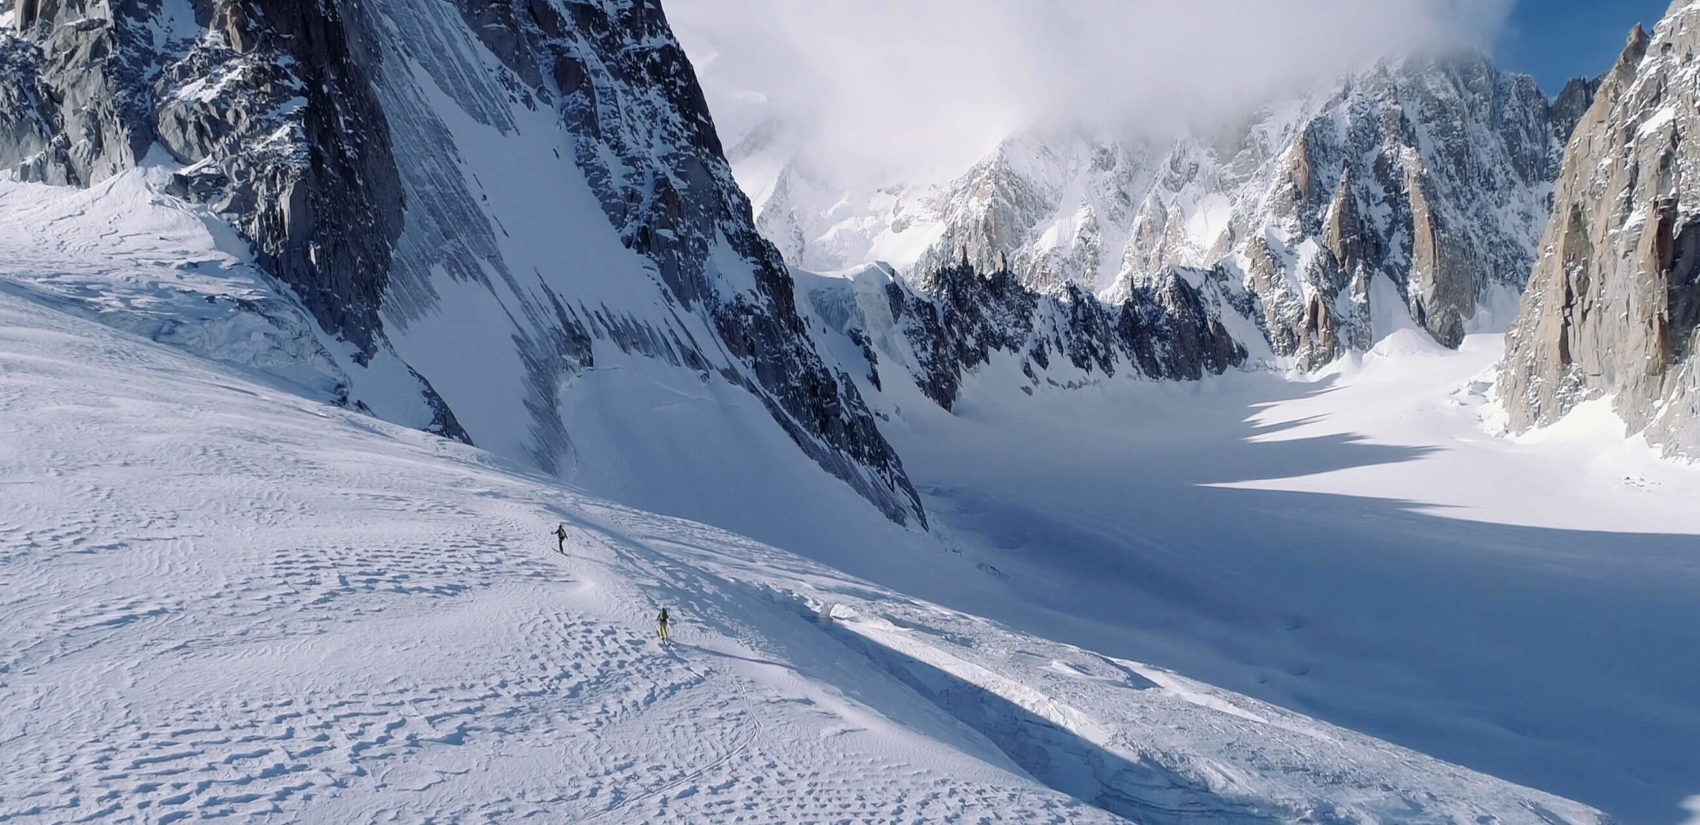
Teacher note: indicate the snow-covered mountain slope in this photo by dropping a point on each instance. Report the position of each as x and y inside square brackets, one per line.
[518, 211]
[530, 241]
[1416, 189]
[225, 600]
[125, 253]
[1613, 307]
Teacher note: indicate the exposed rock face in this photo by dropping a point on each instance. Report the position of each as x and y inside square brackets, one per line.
[1007, 202]
[1429, 176]
[319, 207]
[31, 139]
[957, 319]
[81, 82]
[679, 214]
[419, 171]
[1613, 305]
[1572, 103]
[277, 128]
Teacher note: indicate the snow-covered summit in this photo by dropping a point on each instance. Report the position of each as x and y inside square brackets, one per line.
[1416, 188]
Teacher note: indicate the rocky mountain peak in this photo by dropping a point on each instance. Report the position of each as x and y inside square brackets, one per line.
[1431, 173]
[1613, 305]
[1572, 103]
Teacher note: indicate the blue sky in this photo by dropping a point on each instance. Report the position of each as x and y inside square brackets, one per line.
[1555, 40]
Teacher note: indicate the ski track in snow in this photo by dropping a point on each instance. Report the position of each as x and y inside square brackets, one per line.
[221, 600]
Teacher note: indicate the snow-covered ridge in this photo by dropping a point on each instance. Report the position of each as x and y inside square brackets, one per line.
[227, 600]
[1417, 188]
[492, 201]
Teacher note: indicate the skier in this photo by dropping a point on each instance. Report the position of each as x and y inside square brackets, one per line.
[662, 621]
[561, 539]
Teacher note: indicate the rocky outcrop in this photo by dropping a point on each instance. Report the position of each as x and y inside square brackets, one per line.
[88, 63]
[1430, 176]
[1353, 247]
[1613, 304]
[1572, 103]
[1009, 205]
[31, 139]
[261, 117]
[956, 320]
[353, 146]
[319, 208]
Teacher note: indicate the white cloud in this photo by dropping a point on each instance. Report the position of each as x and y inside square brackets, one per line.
[893, 84]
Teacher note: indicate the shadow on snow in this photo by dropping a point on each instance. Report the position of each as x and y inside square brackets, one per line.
[1553, 658]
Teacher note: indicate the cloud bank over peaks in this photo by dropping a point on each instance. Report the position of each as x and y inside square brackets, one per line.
[901, 87]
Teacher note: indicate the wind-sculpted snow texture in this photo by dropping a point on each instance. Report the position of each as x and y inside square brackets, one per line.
[504, 195]
[1417, 188]
[223, 600]
[1613, 306]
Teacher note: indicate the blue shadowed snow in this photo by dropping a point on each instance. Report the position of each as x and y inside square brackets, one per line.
[1357, 548]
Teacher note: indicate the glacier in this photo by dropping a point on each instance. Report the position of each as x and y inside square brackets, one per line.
[223, 599]
[382, 291]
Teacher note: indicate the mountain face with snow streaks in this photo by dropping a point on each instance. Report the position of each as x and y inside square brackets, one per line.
[939, 331]
[501, 197]
[1415, 189]
[1613, 305]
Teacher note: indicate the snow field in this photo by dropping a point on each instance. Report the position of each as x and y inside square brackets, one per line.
[1363, 546]
[224, 600]
[221, 600]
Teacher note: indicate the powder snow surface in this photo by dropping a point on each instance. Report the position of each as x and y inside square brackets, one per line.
[221, 599]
